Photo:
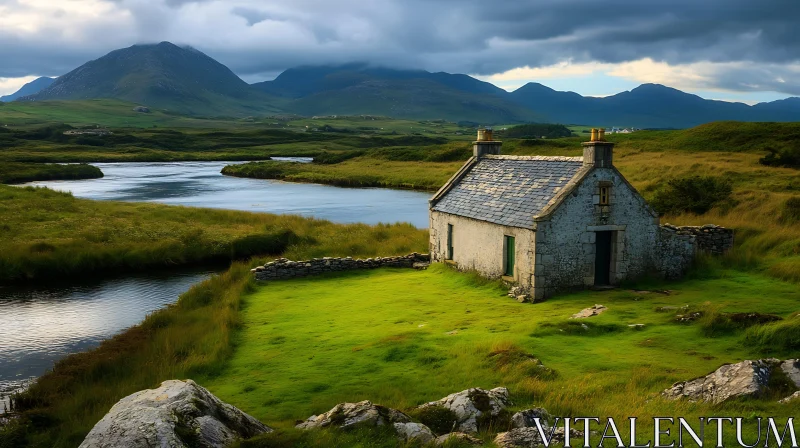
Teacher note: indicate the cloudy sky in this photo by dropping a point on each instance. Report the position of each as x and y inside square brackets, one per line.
[743, 50]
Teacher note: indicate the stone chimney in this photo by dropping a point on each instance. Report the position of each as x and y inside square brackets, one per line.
[598, 152]
[485, 145]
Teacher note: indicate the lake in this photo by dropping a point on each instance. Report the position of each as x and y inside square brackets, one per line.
[42, 324]
[200, 184]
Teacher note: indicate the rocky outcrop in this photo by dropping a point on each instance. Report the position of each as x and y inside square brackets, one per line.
[414, 432]
[283, 268]
[177, 414]
[469, 405]
[527, 418]
[458, 437]
[589, 312]
[743, 379]
[531, 437]
[351, 415]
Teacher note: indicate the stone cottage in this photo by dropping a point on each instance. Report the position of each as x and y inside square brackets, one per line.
[550, 224]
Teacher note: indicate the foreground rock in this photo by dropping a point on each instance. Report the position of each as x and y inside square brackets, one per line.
[468, 405]
[459, 437]
[791, 368]
[589, 312]
[414, 432]
[177, 414]
[527, 418]
[351, 415]
[793, 397]
[743, 379]
[530, 437]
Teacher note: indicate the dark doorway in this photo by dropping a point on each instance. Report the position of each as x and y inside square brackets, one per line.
[510, 255]
[602, 262]
[449, 241]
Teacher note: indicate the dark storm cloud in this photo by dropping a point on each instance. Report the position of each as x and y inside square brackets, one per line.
[468, 36]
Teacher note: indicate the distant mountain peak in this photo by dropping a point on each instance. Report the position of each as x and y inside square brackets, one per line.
[162, 76]
[30, 88]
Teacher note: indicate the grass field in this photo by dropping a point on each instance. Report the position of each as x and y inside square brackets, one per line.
[48, 234]
[112, 113]
[402, 338]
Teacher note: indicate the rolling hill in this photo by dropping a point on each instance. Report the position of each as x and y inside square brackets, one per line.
[161, 76]
[30, 88]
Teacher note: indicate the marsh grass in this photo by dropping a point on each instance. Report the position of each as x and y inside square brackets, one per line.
[783, 336]
[49, 234]
[17, 173]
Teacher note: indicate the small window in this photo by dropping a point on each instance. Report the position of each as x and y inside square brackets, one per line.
[449, 241]
[605, 195]
[509, 259]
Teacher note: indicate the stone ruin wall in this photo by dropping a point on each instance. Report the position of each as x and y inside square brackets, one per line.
[283, 268]
[709, 238]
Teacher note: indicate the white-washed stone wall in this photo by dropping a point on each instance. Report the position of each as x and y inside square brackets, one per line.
[479, 246]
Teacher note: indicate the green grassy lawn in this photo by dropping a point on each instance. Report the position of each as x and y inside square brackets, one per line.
[402, 338]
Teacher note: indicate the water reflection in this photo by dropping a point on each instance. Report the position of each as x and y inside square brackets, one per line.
[39, 325]
[200, 184]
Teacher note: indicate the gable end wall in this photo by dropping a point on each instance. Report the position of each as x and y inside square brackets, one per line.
[565, 243]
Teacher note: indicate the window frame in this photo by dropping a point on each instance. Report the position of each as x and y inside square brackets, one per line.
[605, 194]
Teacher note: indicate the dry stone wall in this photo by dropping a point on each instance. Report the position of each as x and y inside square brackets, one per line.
[283, 268]
[709, 238]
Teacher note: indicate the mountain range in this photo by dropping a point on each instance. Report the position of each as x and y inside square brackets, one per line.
[184, 80]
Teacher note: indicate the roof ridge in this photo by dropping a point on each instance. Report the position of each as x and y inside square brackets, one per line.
[534, 158]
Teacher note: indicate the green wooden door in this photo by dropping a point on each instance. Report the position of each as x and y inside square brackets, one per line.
[510, 255]
[449, 241]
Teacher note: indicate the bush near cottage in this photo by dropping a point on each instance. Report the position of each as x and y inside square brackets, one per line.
[695, 194]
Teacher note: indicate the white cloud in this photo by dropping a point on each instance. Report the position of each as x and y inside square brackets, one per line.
[11, 85]
[705, 75]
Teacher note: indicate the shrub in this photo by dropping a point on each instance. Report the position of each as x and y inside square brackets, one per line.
[787, 157]
[694, 194]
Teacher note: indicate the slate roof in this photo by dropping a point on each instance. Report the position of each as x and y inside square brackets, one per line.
[508, 190]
